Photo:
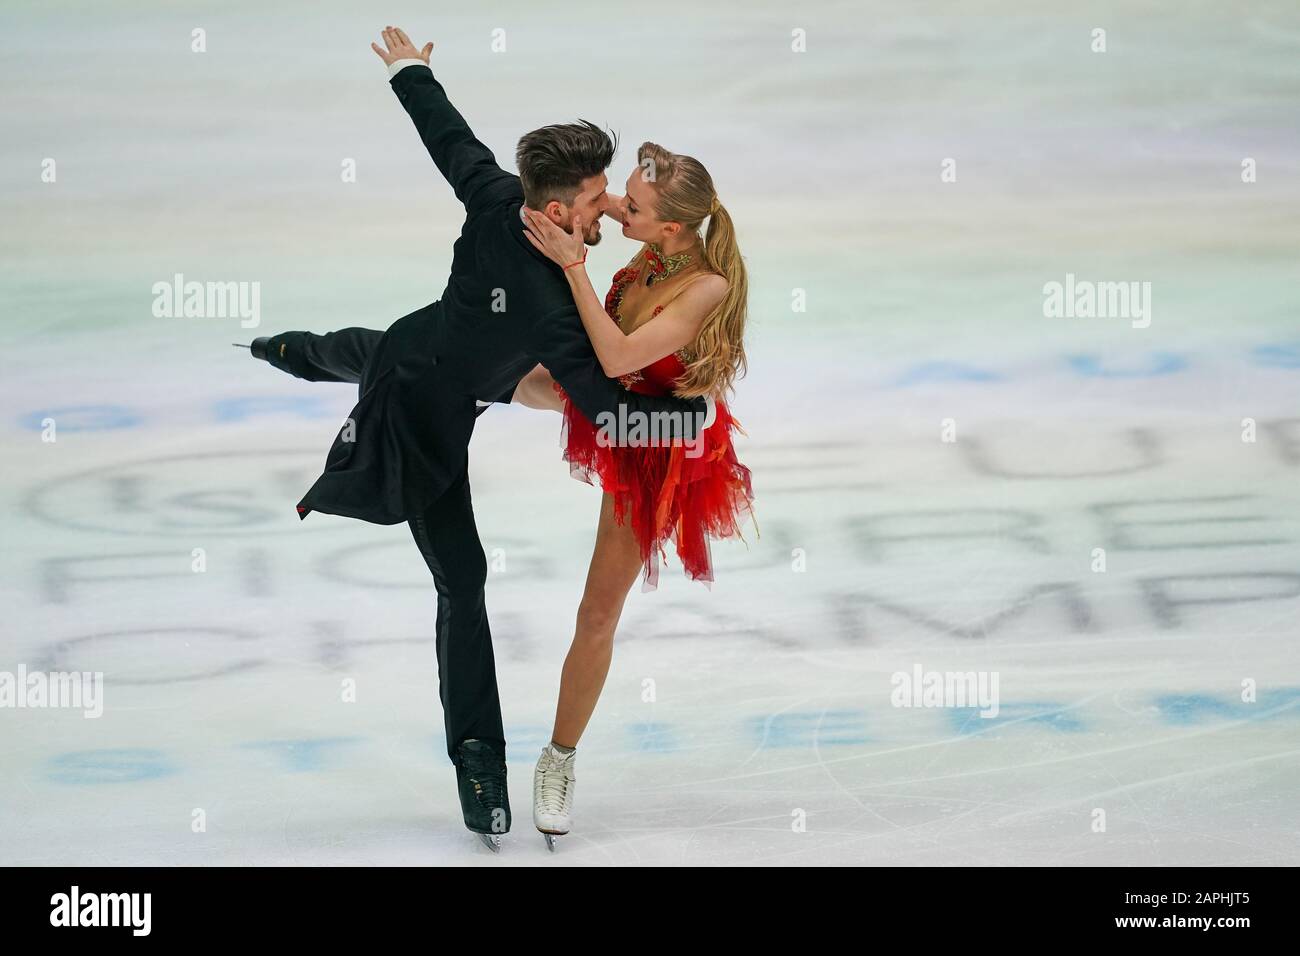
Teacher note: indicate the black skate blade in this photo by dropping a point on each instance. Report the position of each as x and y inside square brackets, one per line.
[491, 841]
[240, 345]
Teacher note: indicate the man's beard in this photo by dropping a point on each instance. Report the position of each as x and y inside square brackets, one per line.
[587, 238]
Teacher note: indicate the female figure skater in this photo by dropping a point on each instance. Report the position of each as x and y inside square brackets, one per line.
[672, 322]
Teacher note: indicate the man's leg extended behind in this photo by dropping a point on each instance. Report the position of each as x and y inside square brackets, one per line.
[333, 357]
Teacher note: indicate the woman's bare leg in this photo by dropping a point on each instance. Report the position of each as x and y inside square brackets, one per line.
[615, 564]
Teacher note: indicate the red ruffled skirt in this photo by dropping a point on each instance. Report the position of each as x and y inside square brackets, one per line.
[686, 494]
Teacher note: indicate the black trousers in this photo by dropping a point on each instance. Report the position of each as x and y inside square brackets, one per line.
[448, 540]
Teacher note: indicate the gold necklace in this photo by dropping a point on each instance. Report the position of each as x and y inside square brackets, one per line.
[661, 266]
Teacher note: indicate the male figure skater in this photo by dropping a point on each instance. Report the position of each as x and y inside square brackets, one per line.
[403, 454]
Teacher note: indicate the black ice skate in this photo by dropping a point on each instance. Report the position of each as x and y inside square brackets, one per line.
[259, 347]
[481, 780]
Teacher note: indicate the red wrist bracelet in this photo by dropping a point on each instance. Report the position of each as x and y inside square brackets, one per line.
[579, 262]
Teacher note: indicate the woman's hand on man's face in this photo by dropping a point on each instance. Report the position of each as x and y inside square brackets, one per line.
[559, 246]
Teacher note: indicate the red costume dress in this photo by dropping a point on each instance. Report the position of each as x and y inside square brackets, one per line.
[681, 492]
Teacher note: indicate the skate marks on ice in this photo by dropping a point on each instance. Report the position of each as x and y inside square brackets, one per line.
[770, 736]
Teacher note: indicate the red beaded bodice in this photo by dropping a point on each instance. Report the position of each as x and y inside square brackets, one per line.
[659, 377]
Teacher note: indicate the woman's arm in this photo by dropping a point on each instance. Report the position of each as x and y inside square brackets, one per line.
[616, 210]
[674, 328]
[558, 341]
[535, 390]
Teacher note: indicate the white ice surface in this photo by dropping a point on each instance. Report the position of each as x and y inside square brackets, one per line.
[729, 715]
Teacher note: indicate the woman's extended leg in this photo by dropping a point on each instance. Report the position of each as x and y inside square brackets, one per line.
[615, 564]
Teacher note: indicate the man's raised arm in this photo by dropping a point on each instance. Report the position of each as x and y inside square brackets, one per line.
[464, 162]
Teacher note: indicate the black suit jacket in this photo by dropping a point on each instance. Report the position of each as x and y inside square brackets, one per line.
[506, 308]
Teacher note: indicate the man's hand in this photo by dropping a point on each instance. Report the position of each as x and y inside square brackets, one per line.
[400, 47]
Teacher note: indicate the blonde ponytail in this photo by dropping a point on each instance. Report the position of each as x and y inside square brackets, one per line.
[685, 194]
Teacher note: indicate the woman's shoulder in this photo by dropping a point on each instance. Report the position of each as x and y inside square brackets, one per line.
[709, 283]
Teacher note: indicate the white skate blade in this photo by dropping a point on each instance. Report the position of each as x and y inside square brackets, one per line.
[491, 841]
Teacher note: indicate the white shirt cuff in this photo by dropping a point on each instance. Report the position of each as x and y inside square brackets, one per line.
[397, 66]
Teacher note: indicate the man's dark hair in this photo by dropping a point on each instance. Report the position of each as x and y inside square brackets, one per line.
[554, 160]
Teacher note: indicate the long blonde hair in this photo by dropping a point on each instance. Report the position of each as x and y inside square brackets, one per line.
[684, 193]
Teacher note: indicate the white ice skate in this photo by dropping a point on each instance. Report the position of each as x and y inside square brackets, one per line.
[553, 785]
